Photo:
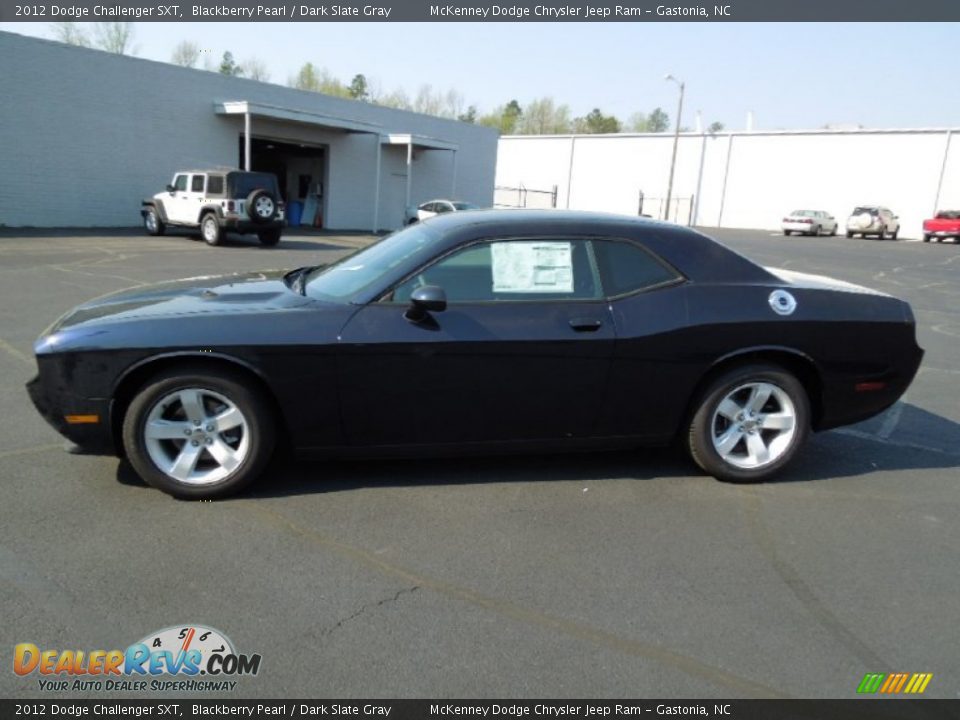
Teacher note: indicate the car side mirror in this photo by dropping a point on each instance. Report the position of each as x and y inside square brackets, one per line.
[425, 300]
[171, 189]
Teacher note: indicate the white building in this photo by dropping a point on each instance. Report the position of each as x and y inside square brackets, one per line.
[85, 135]
[742, 179]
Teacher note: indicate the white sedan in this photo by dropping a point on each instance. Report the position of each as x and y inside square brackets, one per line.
[809, 222]
[426, 210]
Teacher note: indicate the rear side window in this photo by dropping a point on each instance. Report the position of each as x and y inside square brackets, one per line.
[196, 183]
[244, 183]
[626, 268]
[215, 184]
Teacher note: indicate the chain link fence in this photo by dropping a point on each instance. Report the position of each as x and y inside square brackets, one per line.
[524, 197]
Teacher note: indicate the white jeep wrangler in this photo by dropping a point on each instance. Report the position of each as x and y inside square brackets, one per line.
[215, 201]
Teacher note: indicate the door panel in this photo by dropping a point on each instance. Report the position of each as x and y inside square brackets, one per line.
[479, 372]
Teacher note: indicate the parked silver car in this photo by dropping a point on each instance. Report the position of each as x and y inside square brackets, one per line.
[873, 220]
[434, 207]
[809, 222]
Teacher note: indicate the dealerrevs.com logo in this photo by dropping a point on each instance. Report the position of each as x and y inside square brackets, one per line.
[186, 658]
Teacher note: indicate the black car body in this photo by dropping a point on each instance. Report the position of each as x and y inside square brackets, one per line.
[623, 353]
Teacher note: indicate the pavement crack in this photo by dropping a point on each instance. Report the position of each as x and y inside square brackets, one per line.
[369, 606]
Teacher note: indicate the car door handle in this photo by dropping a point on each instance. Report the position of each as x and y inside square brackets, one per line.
[585, 324]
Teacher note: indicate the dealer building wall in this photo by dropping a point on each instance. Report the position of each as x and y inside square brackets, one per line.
[85, 135]
[744, 179]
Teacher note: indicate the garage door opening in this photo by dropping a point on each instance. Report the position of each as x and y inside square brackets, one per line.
[301, 172]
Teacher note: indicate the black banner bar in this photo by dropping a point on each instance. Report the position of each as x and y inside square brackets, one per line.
[859, 709]
[483, 11]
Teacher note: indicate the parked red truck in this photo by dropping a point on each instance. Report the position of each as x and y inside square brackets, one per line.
[945, 225]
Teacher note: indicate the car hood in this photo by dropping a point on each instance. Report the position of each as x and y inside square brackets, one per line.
[208, 295]
[820, 282]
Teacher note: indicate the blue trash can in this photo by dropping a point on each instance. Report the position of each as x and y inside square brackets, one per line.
[294, 213]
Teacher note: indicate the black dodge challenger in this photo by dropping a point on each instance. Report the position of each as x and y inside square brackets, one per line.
[479, 331]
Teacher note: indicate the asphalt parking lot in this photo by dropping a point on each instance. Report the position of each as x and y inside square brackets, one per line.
[617, 575]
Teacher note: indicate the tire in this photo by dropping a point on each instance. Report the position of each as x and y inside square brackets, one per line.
[261, 206]
[715, 426]
[893, 235]
[882, 235]
[152, 222]
[815, 232]
[210, 229]
[269, 238]
[247, 440]
[849, 234]
[833, 233]
[926, 237]
[412, 221]
[788, 233]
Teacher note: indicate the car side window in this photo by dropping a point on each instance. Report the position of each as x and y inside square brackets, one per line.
[196, 183]
[626, 268]
[525, 270]
[215, 185]
[180, 183]
[443, 207]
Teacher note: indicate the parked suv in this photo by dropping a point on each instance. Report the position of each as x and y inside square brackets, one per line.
[215, 201]
[872, 220]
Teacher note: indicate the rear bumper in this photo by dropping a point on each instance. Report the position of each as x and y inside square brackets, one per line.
[942, 233]
[238, 223]
[851, 398]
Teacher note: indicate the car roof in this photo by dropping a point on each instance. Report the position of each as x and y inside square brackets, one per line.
[696, 255]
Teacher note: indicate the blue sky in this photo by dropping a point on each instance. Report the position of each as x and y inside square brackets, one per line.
[800, 75]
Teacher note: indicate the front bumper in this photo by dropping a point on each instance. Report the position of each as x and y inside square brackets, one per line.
[56, 406]
[798, 227]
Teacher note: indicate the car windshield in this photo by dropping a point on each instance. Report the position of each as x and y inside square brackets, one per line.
[357, 272]
[242, 184]
[802, 213]
[463, 206]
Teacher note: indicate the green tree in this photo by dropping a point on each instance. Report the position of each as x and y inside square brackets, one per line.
[70, 33]
[596, 122]
[715, 127]
[544, 117]
[503, 117]
[470, 116]
[186, 54]
[256, 69]
[109, 36]
[658, 121]
[229, 67]
[358, 87]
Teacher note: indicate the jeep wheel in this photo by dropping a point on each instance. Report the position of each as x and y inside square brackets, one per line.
[152, 222]
[211, 230]
[261, 206]
[269, 238]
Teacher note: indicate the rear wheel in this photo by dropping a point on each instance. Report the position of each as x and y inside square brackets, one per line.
[816, 231]
[749, 423]
[849, 234]
[269, 238]
[210, 230]
[893, 235]
[882, 235]
[833, 233]
[788, 233]
[198, 435]
[926, 237]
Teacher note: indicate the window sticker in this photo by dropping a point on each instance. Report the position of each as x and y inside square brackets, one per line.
[532, 267]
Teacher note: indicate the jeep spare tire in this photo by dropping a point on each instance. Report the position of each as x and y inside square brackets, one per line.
[261, 206]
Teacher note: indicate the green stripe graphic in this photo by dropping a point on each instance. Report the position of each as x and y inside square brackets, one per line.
[871, 682]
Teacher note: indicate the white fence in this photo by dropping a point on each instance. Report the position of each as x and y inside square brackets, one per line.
[745, 179]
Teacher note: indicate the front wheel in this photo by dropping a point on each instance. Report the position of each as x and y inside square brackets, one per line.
[893, 235]
[926, 237]
[196, 434]
[788, 233]
[849, 234]
[152, 222]
[749, 423]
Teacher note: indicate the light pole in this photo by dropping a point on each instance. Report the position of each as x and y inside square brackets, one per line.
[676, 139]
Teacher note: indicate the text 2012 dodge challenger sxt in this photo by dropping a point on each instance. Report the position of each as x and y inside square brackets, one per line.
[476, 331]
